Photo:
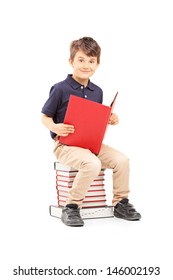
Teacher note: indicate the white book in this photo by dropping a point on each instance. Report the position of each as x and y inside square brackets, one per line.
[91, 188]
[88, 194]
[86, 213]
[86, 204]
[86, 199]
[65, 169]
[66, 176]
[60, 166]
[70, 183]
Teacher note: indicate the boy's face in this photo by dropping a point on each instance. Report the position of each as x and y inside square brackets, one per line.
[83, 67]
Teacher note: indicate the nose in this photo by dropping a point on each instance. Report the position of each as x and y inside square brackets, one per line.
[86, 65]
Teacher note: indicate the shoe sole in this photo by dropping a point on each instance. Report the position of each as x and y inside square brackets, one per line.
[73, 225]
[127, 219]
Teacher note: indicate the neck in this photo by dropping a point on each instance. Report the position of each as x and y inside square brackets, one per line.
[83, 82]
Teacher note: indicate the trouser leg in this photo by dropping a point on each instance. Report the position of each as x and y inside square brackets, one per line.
[88, 166]
[119, 163]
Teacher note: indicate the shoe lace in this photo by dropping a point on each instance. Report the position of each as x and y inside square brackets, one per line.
[74, 213]
[129, 207]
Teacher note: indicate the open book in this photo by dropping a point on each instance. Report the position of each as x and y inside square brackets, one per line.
[90, 120]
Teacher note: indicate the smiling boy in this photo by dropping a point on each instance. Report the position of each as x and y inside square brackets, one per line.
[85, 59]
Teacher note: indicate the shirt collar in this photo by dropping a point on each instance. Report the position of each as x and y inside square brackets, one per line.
[74, 84]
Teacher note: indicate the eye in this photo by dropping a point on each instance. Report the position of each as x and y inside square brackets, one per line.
[92, 61]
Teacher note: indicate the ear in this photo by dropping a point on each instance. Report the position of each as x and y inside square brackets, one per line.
[70, 62]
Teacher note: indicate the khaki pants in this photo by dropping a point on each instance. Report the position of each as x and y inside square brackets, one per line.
[89, 165]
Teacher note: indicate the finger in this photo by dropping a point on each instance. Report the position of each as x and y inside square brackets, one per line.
[64, 134]
[67, 131]
[69, 126]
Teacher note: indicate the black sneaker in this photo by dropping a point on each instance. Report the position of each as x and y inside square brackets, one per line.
[71, 216]
[125, 210]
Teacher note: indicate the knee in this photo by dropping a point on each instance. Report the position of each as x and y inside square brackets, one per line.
[93, 167]
[122, 161]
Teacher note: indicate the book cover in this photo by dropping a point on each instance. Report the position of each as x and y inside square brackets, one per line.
[89, 193]
[70, 177]
[72, 174]
[86, 213]
[62, 167]
[70, 183]
[87, 204]
[86, 199]
[90, 120]
[66, 174]
[69, 172]
[91, 188]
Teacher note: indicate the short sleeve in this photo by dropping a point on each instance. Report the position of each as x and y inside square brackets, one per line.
[53, 102]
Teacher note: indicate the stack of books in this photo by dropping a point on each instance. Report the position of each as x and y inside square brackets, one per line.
[95, 196]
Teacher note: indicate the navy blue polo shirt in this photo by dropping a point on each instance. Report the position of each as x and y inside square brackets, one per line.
[56, 105]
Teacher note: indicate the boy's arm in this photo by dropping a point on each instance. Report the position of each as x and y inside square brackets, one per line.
[60, 129]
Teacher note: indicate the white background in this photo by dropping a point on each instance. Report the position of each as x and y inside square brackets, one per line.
[136, 60]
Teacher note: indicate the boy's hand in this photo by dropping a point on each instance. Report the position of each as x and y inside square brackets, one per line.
[64, 129]
[113, 119]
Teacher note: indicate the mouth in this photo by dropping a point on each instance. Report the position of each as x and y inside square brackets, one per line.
[85, 72]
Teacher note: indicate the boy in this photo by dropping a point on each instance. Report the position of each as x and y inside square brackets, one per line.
[85, 59]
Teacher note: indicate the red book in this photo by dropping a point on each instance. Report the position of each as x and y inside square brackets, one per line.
[98, 193]
[87, 204]
[91, 188]
[71, 177]
[90, 120]
[70, 183]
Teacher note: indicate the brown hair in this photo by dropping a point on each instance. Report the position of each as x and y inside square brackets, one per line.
[86, 44]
